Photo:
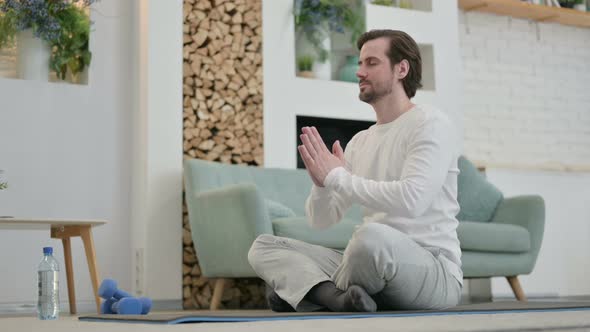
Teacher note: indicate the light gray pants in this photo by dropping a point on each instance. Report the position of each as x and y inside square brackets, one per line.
[397, 272]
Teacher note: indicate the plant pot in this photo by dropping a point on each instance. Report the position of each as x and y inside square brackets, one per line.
[306, 74]
[581, 7]
[79, 78]
[32, 57]
[348, 71]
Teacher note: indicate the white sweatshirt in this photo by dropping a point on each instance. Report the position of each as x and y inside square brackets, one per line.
[403, 174]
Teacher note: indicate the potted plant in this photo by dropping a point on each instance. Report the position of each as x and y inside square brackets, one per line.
[50, 34]
[316, 19]
[304, 66]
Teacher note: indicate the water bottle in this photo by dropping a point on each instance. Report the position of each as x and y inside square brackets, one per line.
[48, 303]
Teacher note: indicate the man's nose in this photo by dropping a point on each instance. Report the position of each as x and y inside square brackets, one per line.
[360, 73]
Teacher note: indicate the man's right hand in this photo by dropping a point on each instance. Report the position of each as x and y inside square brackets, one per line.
[336, 151]
[313, 178]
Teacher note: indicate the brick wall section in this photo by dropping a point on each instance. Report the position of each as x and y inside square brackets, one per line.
[527, 93]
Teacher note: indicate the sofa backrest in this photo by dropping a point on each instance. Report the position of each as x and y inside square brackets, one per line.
[477, 197]
[287, 186]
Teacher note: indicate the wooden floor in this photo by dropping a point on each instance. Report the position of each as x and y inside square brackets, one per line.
[544, 321]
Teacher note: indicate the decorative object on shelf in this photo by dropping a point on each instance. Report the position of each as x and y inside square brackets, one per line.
[60, 26]
[305, 66]
[315, 20]
[32, 56]
[348, 71]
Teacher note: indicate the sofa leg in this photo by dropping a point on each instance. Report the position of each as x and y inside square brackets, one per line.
[217, 293]
[515, 285]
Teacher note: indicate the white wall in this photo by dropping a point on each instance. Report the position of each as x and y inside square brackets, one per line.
[527, 110]
[563, 265]
[156, 216]
[66, 152]
[527, 100]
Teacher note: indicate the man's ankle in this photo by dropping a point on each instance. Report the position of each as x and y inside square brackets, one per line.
[276, 303]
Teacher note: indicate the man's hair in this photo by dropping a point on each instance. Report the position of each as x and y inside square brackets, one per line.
[401, 46]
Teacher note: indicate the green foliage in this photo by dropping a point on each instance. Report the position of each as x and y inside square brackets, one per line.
[3, 185]
[7, 30]
[305, 63]
[317, 18]
[63, 24]
[70, 50]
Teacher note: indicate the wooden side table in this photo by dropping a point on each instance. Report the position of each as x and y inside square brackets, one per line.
[65, 229]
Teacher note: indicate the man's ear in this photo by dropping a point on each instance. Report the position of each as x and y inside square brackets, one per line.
[402, 69]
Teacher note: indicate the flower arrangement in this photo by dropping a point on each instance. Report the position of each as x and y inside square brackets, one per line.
[316, 18]
[63, 24]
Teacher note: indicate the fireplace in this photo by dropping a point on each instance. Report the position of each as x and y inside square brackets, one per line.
[331, 130]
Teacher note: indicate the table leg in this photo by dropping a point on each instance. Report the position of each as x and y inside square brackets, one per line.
[86, 235]
[69, 274]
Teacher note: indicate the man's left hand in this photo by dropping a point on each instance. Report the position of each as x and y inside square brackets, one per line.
[316, 156]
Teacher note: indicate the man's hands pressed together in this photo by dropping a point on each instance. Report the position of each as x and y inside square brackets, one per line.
[318, 160]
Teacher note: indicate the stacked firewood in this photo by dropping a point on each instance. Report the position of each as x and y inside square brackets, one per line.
[222, 117]
[223, 80]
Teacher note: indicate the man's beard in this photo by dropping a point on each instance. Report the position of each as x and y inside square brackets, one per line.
[375, 93]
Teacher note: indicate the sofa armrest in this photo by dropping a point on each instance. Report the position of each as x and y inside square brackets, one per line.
[526, 211]
[224, 224]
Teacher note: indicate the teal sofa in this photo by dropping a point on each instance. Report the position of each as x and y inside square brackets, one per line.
[230, 205]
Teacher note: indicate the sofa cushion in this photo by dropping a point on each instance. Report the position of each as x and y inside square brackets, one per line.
[335, 237]
[477, 197]
[278, 210]
[493, 237]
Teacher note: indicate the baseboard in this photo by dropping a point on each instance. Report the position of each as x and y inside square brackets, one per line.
[83, 307]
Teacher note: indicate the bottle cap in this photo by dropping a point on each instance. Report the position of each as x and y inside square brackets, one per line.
[48, 250]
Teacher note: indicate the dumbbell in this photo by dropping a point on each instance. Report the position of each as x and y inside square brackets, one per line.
[108, 290]
[124, 306]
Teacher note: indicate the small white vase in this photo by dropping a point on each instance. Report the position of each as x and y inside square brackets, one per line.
[32, 57]
[304, 47]
[324, 70]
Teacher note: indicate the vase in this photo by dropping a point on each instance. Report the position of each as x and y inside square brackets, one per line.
[348, 71]
[32, 57]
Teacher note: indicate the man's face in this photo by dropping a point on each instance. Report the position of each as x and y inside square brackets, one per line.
[375, 73]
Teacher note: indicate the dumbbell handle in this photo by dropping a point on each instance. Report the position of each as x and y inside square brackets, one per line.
[119, 294]
[111, 307]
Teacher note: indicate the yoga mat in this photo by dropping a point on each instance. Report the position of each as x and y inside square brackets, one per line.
[250, 316]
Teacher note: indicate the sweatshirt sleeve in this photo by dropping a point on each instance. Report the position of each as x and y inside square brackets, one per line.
[430, 150]
[325, 207]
